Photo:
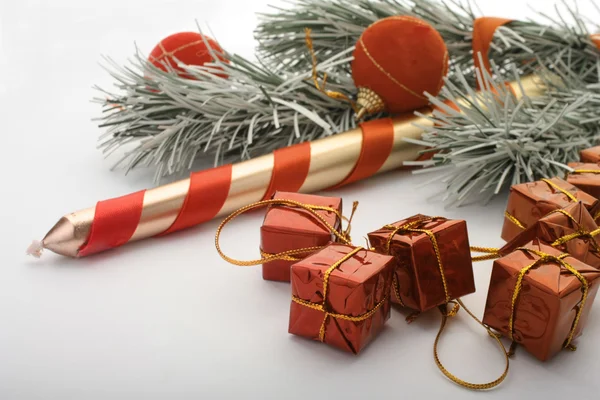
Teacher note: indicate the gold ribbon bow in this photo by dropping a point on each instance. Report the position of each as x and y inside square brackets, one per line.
[580, 233]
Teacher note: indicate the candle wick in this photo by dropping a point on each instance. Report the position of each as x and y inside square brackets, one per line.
[35, 249]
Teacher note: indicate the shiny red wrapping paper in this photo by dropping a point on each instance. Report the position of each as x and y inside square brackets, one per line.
[418, 276]
[589, 182]
[591, 155]
[547, 304]
[354, 289]
[528, 202]
[571, 220]
[288, 228]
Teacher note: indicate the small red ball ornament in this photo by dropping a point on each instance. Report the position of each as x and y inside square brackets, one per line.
[397, 59]
[189, 48]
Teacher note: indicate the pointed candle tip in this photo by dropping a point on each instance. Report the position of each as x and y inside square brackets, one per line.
[35, 249]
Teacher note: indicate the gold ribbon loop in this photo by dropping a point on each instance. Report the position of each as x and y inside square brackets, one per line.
[491, 253]
[585, 171]
[559, 189]
[290, 254]
[315, 75]
[548, 258]
[474, 386]
[514, 220]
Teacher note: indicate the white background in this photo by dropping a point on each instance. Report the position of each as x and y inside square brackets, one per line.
[167, 318]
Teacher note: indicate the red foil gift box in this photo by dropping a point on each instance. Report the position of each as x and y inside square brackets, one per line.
[528, 202]
[570, 230]
[433, 260]
[586, 177]
[591, 155]
[340, 296]
[288, 228]
[540, 298]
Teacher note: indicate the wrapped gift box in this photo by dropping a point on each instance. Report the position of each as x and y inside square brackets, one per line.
[340, 296]
[416, 243]
[288, 228]
[586, 177]
[548, 310]
[591, 155]
[528, 202]
[571, 230]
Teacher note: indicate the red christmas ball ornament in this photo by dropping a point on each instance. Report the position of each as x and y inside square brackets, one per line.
[189, 48]
[397, 59]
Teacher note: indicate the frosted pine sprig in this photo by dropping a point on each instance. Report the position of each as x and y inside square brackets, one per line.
[497, 140]
[337, 25]
[171, 120]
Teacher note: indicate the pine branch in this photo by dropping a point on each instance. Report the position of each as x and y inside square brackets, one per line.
[495, 140]
[337, 25]
[174, 120]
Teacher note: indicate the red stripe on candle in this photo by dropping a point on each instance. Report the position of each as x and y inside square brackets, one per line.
[114, 223]
[377, 144]
[206, 196]
[290, 169]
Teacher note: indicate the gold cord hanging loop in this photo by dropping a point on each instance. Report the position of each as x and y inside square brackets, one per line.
[490, 253]
[449, 375]
[285, 255]
[315, 75]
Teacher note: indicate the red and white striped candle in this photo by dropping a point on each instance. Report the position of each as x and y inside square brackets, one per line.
[375, 147]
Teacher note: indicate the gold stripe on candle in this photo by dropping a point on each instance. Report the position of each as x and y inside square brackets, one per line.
[331, 160]
[161, 208]
[249, 182]
[403, 151]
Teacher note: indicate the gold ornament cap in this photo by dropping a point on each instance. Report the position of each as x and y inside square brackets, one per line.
[368, 102]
